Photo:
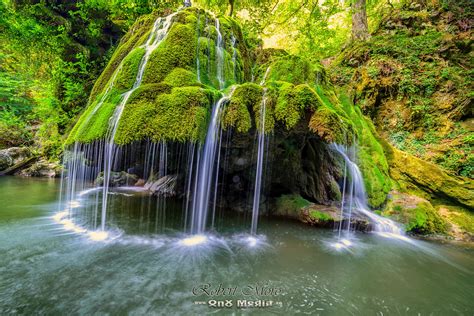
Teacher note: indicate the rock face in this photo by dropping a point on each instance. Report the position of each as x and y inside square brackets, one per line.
[42, 168]
[165, 186]
[5, 160]
[418, 214]
[326, 216]
[415, 174]
[117, 179]
[12, 156]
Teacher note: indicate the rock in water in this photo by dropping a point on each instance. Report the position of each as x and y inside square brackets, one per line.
[164, 186]
[117, 179]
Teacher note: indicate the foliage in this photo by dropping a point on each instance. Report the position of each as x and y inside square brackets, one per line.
[51, 55]
[413, 80]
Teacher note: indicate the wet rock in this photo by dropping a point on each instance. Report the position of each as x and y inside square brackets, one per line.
[326, 216]
[330, 217]
[117, 179]
[164, 186]
[12, 156]
[5, 160]
[42, 168]
[418, 214]
[140, 183]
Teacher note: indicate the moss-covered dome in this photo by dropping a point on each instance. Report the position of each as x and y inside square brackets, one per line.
[199, 58]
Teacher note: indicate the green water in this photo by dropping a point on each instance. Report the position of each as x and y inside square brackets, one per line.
[47, 270]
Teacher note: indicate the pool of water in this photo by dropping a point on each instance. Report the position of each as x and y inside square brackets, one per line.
[146, 269]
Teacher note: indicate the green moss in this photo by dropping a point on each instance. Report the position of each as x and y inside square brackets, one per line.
[290, 205]
[180, 77]
[319, 216]
[180, 115]
[460, 217]
[93, 124]
[243, 100]
[331, 127]
[178, 50]
[372, 160]
[293, 101]
[420, 218]
[127, 74]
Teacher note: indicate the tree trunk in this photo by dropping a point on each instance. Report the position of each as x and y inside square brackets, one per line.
[231, 3]
[360, 29]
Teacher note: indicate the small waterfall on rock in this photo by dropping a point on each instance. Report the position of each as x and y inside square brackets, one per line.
[158, 33]
[260, 155]
[355, 198]
[259, 169]
[220, 55]
[205, 181]
[234, 57]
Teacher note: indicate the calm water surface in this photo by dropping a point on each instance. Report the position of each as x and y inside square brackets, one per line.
[47, 270]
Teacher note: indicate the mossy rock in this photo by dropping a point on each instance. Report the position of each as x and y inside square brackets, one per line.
[418, 214]
[243, 101]
[371, 155]
[331, 127]
[180, 115]
[290, 205]
[127, 72]
[412, 173]
[170, 76]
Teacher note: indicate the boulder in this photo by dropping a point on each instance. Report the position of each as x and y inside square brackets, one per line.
[42, 168]
[164, 186]
[12, 156]
[327, 216]
[5, 160]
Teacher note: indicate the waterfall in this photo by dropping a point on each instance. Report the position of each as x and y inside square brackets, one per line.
[234, 56]
[220, 55]
[158, 33]
[358, 197]
[207, 171]
[258, 173]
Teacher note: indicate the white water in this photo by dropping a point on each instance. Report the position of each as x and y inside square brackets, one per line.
[220, 55]
[358, 198]
[157, 34]
[205, 176]
[234, 57]
[258, 173]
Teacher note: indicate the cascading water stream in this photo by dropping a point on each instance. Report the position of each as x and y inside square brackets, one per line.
[258, 173]
[206, 170]
[358, 197]
[220, 55]
[234, 56]
[158, 33]
[261, 148]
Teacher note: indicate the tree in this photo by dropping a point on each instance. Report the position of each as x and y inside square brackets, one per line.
[360, 29]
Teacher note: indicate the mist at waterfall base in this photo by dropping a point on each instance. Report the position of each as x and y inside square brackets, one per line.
[48, 270]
